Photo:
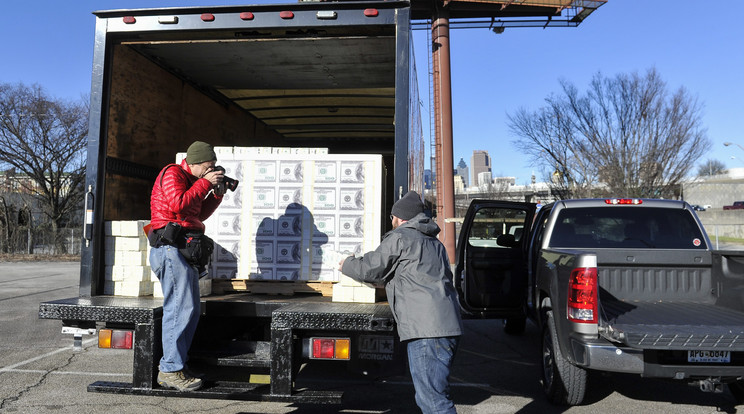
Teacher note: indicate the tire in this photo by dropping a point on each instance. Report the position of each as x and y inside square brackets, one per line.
[563, 382]
[515, 326]
[737, 390]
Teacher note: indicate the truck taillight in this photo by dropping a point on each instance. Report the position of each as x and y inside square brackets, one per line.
[582, 295]
[115, 338]
[330, 348]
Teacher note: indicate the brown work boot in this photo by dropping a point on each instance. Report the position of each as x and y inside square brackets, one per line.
[179, 380]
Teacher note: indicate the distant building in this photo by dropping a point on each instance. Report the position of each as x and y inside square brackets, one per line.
[462, 171]
[428, 179]
[484, 179]
[459, 184]
[504, 182]
[480, 163]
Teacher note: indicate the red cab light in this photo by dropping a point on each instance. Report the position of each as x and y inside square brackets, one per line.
[129, 20]
[582, 295]
[286, 15]
[207, 17]
[246, 16]
[371, 12]
[633, 201]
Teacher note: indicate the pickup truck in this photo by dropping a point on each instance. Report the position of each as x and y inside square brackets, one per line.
[738, 205]
[617, 285]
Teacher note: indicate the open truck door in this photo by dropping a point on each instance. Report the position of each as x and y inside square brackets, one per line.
[490, 264]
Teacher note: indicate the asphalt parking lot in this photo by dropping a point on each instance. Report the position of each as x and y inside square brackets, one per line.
[494, 373]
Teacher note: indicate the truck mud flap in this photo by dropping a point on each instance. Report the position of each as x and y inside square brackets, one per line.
[224, 391]
[662, 325]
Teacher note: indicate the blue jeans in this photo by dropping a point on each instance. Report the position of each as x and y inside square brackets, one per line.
[430, 360]
[180, 283]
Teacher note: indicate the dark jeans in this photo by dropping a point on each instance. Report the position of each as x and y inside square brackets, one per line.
[430, 360]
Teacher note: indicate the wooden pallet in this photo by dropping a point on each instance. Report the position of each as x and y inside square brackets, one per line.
[271, 287]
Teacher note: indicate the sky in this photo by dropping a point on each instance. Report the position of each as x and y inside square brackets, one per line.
[692, 44]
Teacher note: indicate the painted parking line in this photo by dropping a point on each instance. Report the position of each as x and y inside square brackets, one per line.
[36, 358]
[83, 373]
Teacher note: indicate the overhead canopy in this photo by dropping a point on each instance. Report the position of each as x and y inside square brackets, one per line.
[553, 12]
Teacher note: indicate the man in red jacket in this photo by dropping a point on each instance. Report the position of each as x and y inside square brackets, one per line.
[185, 194]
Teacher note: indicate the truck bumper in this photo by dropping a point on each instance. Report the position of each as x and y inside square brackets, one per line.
[608, 357]
[603, 356]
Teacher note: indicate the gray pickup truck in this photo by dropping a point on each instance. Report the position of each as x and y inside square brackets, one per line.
[619, 285]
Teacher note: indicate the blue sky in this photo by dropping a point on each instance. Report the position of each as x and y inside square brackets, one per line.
[697, 45]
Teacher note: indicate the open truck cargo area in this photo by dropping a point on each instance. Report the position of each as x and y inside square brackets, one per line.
[337, 76]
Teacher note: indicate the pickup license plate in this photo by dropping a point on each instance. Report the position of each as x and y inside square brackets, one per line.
[719, 357]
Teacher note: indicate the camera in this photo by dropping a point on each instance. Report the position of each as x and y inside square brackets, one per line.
[229, 183]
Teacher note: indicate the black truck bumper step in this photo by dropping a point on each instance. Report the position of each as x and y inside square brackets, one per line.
[224, 391]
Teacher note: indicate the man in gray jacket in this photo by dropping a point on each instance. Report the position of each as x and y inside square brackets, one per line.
[413, 265]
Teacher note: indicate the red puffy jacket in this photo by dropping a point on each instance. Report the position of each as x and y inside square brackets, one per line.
[180, 197]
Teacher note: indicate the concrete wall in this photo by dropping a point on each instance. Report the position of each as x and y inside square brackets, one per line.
[723, 223]
[716, 193]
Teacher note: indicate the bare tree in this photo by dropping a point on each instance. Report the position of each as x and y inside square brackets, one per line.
[44, 139]
[711, 167]
[626, 136]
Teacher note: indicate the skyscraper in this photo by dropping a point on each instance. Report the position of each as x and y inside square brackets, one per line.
[462, 171]
[480, 163]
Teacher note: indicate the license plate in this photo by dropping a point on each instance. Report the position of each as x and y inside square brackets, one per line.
[719, 357]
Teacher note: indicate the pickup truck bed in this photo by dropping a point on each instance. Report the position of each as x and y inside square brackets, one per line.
[657, 325]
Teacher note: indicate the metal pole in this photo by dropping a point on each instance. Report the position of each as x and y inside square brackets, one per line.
[443, 126]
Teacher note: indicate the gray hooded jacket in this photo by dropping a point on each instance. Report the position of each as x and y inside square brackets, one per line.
[413, 265]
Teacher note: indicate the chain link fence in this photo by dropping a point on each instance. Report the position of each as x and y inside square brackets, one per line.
[43, 241]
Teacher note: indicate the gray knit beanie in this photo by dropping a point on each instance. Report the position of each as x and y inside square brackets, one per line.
[408, 206]
[200, 152]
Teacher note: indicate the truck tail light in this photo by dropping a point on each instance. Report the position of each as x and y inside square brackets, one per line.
[582, 295]
[115, 338]
[371, 12]
[330, 348]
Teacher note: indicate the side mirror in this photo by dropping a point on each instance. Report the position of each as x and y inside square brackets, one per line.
[506, 240]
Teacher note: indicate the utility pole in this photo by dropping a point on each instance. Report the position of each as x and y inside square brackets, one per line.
[440, 37]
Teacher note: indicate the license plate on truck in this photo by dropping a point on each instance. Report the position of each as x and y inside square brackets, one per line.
[719, 357]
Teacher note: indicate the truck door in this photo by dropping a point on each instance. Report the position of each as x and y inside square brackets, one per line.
[491, 268]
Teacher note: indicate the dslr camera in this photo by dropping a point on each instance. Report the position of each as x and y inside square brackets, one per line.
[229, 183]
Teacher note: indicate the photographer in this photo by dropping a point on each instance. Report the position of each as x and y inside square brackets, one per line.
[182, 197]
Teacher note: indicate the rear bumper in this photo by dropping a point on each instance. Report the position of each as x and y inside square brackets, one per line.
[604, 356]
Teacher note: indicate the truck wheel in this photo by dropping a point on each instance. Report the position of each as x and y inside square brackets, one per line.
[737, 389]
[563, 382]
[515, 326]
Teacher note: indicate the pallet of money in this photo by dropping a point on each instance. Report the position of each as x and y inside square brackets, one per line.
[267, 287]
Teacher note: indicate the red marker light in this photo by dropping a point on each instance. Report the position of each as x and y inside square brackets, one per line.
[286, 15]
[371, 12]
[634, 201]
[323, 348]
[246, 16]
[129, 19]
[207, 17]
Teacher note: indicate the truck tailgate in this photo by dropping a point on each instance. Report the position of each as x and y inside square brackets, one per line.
[668, 325]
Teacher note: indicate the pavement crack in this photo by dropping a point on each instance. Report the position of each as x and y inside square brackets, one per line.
[5, 402]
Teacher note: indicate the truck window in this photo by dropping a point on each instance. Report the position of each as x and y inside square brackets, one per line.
[490, 223]
[631, 227]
